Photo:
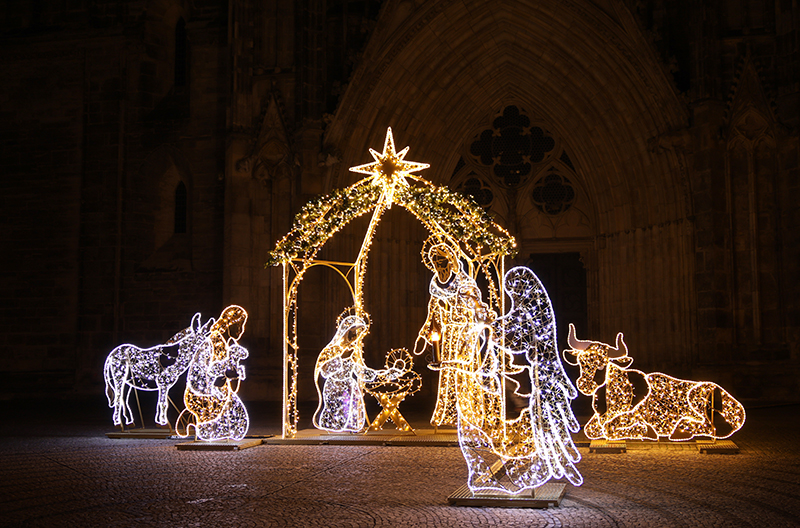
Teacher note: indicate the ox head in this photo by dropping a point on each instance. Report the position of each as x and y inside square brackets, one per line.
[594, 357]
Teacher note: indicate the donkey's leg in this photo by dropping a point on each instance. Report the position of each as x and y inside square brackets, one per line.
[161, 406]
[114, 377]
[127, 408]
[119, 396]
[107, 376]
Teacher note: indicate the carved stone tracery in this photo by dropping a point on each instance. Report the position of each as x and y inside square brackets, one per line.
[272, 157]
[518, 169]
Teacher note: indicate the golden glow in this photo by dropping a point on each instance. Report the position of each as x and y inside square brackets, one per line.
[476, 359]
[391, 386]
[448, 215]
[673, 408]
[389, 168]
[473, 349]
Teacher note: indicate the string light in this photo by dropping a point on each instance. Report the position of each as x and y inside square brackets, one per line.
[341, 364]
[213, 407]
[473, 350]
[345, 378]
[528, 331]
[391, 386]
[673, 408]
[455, 307]
[129, 367]
[475, 357]
[451, 217]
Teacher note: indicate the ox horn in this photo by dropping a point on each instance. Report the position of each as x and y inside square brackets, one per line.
[574, 342]
[622, 348]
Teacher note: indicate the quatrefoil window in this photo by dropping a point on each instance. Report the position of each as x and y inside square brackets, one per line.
[512, 146]
[553, 194]
[479, 191]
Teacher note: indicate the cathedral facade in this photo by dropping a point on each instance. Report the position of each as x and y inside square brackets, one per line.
[644, 154]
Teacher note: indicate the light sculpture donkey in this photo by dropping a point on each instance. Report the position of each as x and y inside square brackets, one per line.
[157, 368]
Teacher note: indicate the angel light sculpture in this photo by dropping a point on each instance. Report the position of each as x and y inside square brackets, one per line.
[528, 331]
[213, 406]
[476, 362]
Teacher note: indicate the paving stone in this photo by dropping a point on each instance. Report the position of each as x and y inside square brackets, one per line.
[61, 470]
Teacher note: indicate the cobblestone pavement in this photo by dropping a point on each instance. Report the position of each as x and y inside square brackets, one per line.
[58, 469]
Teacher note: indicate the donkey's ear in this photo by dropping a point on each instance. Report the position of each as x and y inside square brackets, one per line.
[624, 361]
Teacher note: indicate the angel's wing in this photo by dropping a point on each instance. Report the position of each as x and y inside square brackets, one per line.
[530, 328]
[552, 389]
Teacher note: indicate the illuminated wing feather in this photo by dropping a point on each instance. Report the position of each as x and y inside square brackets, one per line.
[530, 328]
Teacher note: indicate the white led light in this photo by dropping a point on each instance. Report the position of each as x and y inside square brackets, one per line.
[473, 352]
[476, 359]
[213, 406]
[129, 367]
[449, 216]
[341, 367]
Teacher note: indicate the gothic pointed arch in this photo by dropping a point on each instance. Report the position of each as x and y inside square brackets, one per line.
[752, 167]
[588, 72]
[272, 157]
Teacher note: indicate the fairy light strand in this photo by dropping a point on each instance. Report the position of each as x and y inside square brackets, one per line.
[475, 354]
[671, 408]
[213, 407]
[129, 367]
[474, 351]
[451, 216]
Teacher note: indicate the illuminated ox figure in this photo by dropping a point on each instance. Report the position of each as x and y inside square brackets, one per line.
[632, 405]
[129, 367]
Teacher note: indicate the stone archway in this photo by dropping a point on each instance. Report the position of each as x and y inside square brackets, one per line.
[436, 72]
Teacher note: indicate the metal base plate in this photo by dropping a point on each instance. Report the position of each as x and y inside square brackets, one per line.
[160, 434]
[607, 447]
[720, 447]
[546, 495]
[220, 445]
[707, 447]
[421, 438]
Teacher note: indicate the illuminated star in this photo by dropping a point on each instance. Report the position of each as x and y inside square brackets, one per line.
[389, 168]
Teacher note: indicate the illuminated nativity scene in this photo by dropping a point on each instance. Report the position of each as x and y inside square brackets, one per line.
[501, 382]
[477, 345]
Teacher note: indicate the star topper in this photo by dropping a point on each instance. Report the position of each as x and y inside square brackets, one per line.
[389, 168]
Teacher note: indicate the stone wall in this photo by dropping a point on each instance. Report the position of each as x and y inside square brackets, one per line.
[676, 120]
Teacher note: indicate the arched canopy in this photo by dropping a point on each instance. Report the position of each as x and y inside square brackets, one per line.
[439, 209]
